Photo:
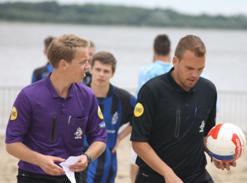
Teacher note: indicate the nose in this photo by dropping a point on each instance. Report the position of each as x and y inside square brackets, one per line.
[101, 73]
[195, 74]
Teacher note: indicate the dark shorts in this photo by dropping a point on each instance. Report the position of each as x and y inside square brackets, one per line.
[29, 177]
[145, 177]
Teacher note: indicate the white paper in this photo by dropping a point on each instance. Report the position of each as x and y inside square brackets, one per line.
[65, 165]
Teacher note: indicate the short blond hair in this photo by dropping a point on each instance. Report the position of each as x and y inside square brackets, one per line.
[64, 47]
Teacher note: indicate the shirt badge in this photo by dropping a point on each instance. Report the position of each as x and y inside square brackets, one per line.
[102, 124]
[202, 127]
[114, 118]
[100, 115]
[13, 114]
[139, 109]
[78, 134]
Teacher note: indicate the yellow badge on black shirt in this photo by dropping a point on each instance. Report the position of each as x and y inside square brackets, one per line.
[100, 115]
[139, 109]
[13, 114]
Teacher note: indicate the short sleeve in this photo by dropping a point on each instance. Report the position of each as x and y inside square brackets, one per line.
[20, 119]
[128, 104]
[96, 128]
[212, 117]
[143, 115]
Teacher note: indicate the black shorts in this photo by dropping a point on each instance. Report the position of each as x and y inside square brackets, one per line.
[29, 177]
[145, 177]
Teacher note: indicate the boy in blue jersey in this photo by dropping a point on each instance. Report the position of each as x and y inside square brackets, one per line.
[42, 72]
[117, 106]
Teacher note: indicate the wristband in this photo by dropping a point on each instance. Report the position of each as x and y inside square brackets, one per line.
[89, 159]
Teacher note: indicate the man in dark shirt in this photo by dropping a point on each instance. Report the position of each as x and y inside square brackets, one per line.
[173, 114]
[42, 72]
[50, 118]
[88, 76]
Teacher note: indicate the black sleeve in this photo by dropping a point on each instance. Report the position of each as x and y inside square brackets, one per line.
[143, 115]
[212, 116]
[128, 104]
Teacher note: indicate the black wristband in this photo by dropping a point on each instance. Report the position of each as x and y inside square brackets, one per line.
[89, 159]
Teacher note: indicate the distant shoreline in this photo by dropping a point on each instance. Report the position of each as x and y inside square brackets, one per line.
[113, 15]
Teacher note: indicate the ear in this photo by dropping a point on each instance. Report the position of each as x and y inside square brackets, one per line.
[62, 64]
[112, 74]
[175, 60]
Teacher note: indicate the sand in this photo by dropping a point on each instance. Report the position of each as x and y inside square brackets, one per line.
[8, 167]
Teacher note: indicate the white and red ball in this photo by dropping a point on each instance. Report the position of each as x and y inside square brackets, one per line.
[226, 142]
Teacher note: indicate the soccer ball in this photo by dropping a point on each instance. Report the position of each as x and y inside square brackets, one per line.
[225, 142]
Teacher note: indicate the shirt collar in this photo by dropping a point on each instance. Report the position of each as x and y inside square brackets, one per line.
[54, 92]
[109, 93]
[162, 62]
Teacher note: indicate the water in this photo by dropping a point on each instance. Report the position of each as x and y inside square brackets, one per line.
[21, 51]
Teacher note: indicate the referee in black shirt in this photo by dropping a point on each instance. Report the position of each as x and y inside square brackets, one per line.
[173, 114]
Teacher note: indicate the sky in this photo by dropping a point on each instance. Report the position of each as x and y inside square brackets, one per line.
[212, 7]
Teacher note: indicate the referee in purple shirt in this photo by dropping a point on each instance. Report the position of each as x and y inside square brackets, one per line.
[50, 118]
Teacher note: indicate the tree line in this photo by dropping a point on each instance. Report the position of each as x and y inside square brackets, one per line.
[101, 14]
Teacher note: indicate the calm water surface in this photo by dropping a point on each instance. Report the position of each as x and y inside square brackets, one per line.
[21, 51]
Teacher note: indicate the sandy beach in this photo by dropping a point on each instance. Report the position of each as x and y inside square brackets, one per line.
[8, 167]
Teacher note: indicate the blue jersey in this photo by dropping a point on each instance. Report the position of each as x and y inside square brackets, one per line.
[152, 70]
[41, 72]
[117, 108]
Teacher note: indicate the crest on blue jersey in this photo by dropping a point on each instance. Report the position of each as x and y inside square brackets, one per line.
[114, 118]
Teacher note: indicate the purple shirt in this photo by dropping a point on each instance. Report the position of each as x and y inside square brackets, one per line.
[52, 125]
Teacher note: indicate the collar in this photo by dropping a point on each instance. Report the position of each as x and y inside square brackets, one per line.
[52, 90]
[109, 93]
[162, 62]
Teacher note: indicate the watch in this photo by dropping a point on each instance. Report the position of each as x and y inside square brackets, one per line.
[89, 159]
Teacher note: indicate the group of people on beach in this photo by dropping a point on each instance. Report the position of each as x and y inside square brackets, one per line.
[72, 109]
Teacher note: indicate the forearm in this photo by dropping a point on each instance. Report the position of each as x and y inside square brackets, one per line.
[95, 149]
[125, 132]
[149, 156]
[22, 152]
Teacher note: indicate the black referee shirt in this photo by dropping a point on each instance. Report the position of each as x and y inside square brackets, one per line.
[174, 122]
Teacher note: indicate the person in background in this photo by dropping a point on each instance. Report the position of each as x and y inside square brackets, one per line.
[42, 72]
[88, 76]
[161, 60]
[117, 106]
[161, 64]
[50, 118]
[172, 117]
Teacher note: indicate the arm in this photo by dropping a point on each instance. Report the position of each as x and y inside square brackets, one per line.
[46, 163]
[147, 154]
[124, 133]
[95, 149]
[92, 153]
[96, 136]
[18, 126]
